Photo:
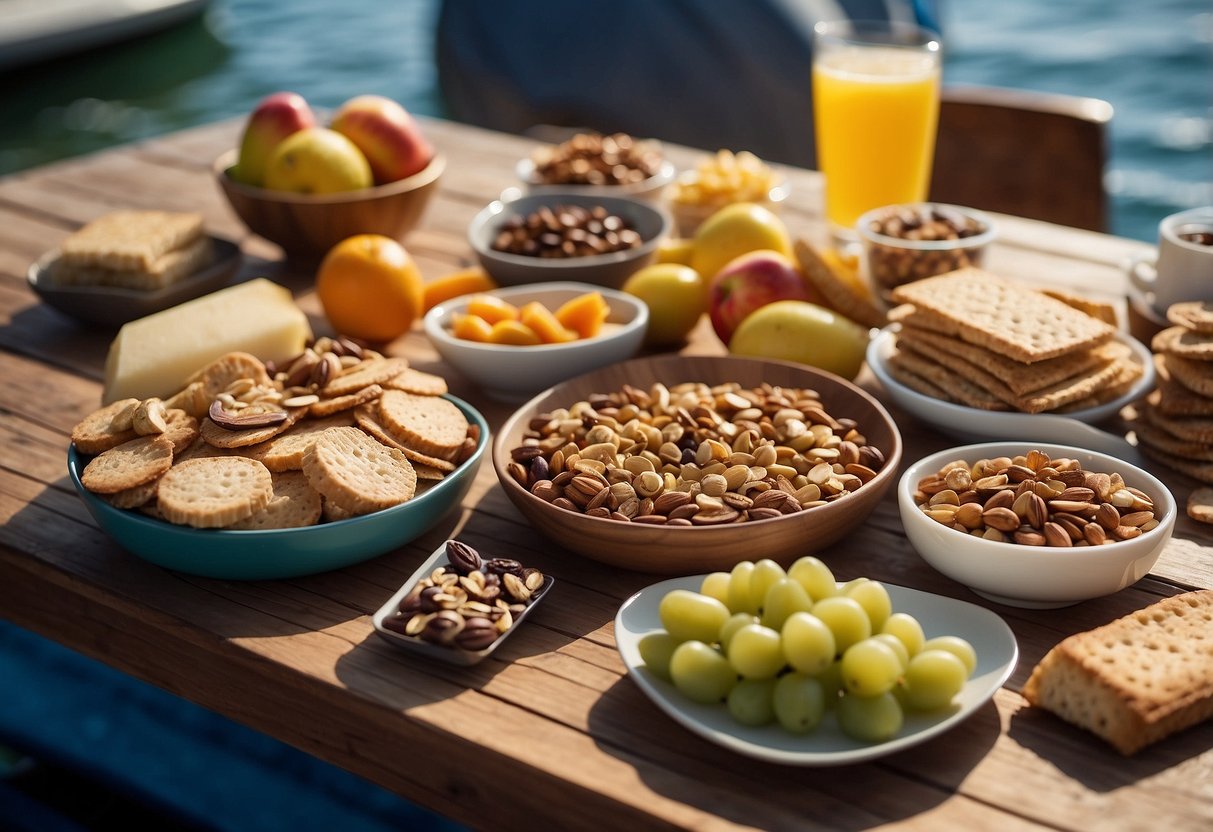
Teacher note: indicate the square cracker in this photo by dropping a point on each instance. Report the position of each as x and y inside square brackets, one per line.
[957, 387]
[1136, 680]
[167, 270]
[1008, 318]
[130, 240]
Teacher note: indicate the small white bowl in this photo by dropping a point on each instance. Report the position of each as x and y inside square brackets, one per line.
[650, 189]
[514, 374]
[688, 216]
[1035, 577]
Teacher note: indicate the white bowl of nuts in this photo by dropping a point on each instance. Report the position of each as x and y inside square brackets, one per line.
[567, 235]
[1035, 525]
[904, 243]
[683, 464]
[615, 164]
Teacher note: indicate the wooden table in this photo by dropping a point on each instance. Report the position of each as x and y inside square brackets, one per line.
[548, 733]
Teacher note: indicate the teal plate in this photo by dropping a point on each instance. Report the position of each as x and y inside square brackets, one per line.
[282, 553]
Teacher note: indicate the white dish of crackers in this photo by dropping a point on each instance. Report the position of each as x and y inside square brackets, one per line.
[128, 264]
[256, 471]
[986, 357]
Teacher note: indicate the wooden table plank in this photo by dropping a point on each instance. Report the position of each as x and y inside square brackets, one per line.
[548, 728]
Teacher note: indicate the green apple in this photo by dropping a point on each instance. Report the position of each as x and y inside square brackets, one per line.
[317, 161]
[794, 330]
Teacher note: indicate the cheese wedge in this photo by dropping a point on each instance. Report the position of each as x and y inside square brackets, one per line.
[153, 356]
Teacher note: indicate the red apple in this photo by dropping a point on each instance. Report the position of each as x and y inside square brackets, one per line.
[749, 282]
[386, 134]
[276, 117]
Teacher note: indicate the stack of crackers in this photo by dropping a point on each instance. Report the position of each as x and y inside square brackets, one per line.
[365, 438]
[144, 250]
[972, 338]
[1175, 423]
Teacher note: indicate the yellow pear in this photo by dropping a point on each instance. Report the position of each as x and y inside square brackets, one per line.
[735, 230]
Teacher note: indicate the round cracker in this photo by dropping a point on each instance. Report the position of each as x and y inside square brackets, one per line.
[97, 431]
[217, 376]
[1185, 343]
[213, 492]
[1200, 505]
[358, 473]
[1196, 315]
[295, 504]
[327, 407]
[133, 497]
[367, 421]
[371, 371]
[128, 465]
[182, 429]
[224, 438]
[415, 381]
[428, 424]
[285, 451]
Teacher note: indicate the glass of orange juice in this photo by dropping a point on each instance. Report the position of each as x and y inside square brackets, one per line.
[875, 106]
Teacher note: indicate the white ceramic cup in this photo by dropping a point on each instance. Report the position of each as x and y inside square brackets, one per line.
[1183, 270]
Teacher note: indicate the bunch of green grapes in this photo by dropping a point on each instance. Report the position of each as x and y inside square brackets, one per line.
[785, 647]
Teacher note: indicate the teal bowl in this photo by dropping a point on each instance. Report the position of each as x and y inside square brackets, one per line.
[282, 553]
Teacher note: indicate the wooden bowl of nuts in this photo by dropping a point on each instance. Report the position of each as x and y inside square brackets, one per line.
[567, 235]
[1035, 525]
[685, 464]
[904, 243]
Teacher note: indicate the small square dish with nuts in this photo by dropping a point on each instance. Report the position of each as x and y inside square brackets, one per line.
[1034, 525]
[460, 605]
[904, 243]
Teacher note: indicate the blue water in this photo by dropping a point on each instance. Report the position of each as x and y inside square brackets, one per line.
[1153, 61]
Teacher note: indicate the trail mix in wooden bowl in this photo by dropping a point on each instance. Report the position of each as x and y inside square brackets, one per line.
[693, 455]
[1035, 501]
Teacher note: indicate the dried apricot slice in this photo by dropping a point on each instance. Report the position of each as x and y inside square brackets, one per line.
[514, 333]
[492, 309]
[584, 314]
[471, 328]
[540, 319]
[463, 282]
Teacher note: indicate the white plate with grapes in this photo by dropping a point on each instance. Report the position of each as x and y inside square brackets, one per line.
[782, 717]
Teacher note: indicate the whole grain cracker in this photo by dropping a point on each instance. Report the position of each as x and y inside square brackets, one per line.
[836, 290]
[224, 438]
[1173, 399]
[957, 387]
[919, 384]
[1200, 505]
[128, 465]
[430, 424]
[1196, 315]
[1136, 680]
[366, 419]
[364, 374]
[1191, 428]
[1185, 343]
[294, 504]
[327, 407]
[427, 473]
[132, 240]
[97, 432]
[213, 492]
[357, 473]
[1201, 471]
[182, 429]
[1005, 317]
[217, 376]
[168, 269]
[133, 497]
[1159, 439]
[285, 451]
[415, 381]
[1197, 376]
[1105, 312]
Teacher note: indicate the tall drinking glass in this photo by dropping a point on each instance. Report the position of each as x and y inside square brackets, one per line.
[876, 106]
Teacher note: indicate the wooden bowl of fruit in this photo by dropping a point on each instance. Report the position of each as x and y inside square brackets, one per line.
[516, 341]
[306, 187]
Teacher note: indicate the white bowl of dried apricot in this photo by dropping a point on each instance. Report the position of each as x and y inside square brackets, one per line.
[1035, 525]
[516, 341]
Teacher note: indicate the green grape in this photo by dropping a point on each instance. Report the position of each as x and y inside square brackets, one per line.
[766, 572]
[831, 683]
[907, 629]
[933, 678]
[701, 673]
[870, 668]
[655, 651]
[689, 616]
[845, 588]
[755, 652]
[730, 627]
[783, 598]
[903, 655]
[808, 644]
[958, 647]
[845, 618]
[740, 599]
[799, 702]
[716, 585]
[874, 599]
[815, 577]
[751, 701]
[870, 718]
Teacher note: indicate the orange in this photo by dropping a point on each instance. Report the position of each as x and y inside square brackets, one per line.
[455, 284]
[370, 288]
